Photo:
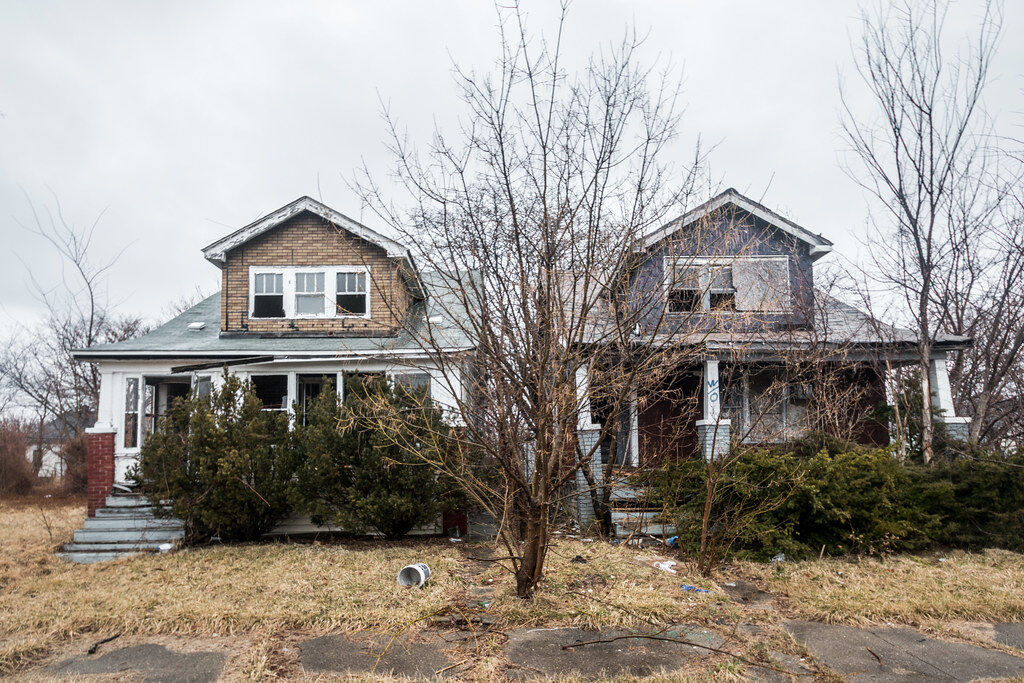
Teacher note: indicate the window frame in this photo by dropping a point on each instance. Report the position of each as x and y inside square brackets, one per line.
[704, 290]
[669, 263]
[366, 293]
[288, 280]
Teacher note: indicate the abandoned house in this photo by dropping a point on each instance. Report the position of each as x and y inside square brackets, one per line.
[774, 354]
[309, 296]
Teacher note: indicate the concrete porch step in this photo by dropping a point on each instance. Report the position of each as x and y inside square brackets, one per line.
[125, 546]
[119, 522]
[89, 557]
[130, 535]
[127, 500]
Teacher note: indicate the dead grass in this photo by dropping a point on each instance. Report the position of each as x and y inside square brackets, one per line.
[314, 588]
[263, 593]
[907, 589]
[616, 586]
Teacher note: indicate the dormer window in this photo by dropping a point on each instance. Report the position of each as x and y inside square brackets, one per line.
[721, 292]
[742, 283]
[268, 295]
[351, 294]
[309, 292]
[701, 287]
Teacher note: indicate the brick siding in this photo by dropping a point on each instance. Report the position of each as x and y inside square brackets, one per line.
[308, 240]
[99, 459]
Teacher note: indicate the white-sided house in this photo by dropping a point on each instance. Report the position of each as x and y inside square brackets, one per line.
[307, 296]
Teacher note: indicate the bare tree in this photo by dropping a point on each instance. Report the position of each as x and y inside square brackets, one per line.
[36, 362]
[527, 223]
[920, 153]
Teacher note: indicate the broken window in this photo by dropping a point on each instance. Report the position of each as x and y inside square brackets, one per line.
[309, 387]
[350, 295]
[131, 412]
[268, 295]
[271, 390]
[309, 293]
[721, 293]
[684, 295]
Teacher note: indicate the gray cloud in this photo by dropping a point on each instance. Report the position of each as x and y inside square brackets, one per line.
[187, 120]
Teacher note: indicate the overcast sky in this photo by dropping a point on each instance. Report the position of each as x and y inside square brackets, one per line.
[184, 121]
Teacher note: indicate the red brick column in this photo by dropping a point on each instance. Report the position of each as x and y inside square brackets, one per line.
[99, 468]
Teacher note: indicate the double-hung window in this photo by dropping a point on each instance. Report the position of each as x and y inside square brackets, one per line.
[350, 295]
[268, 295]
[309, 293]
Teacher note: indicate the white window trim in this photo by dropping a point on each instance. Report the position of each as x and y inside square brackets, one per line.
[670, 262]
[330, 290]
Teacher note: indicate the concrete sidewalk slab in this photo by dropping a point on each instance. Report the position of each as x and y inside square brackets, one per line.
[538, 652]
[150, 662]
[899, 654]
[338, 654]
[1010, 634]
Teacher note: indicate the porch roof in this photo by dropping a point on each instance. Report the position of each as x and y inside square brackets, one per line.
[182, 338]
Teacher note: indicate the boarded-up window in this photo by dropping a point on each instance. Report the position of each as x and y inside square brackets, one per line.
[762, 284]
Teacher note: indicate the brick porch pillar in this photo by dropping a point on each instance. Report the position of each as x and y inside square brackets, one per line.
[99, 462]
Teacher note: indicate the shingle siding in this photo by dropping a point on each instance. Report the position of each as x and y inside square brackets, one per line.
[308, 240]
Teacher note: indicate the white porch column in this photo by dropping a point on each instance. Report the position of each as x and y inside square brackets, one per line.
[942, 398]
[713, 430]
[107, 417]
[588, 433]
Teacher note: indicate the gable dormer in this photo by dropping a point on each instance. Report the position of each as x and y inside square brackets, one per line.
[731, 254]
[307, 269]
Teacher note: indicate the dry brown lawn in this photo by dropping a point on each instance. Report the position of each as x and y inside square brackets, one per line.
[309, 587]
[255, 592]
[918, 590]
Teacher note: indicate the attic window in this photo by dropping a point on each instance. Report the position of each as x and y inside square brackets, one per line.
[351, 293]
[741, 283]
[309, 293]
[268, 295]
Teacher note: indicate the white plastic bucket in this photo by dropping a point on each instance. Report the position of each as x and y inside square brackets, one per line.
[414, 575]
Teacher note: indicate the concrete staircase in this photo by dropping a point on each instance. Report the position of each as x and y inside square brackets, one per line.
[125, 526]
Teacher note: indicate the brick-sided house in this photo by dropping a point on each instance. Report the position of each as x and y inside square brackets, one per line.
[736, 281]
[307, 296]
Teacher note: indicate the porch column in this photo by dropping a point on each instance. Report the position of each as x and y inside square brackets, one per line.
[588, 433]
[713, 430]
[958, 428]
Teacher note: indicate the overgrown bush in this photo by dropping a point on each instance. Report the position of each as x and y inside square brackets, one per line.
[372, 462]
[857, 500]
[970, 502]
[223, 462]
[16, 475]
